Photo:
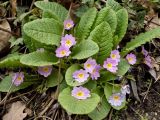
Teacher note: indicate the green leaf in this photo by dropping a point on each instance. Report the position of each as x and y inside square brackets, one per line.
[11, 61]
[7, 86]
[85, 24]
[107, 76]
[123, 67]
[114, 5]
[39, 59]
[141, 39]
[48, 14]
[57, 10]
[101, 110]
[108, 15]
[122, 24]
[52, 80]
[44, 30]
[33, 45]
[102, 35]
[75, 106]
[109, 90]
[69, 75]
[85, 49]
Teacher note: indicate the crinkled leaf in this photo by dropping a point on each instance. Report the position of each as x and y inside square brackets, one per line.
[122, 24]
[44, 30]
[108, 15]
[57, 10]
[75, 106]
[85, 49]
[114, 5]
[101, 110]
[102, 35]
[85, 24]
[39, 59]
[69, 75]
[141, 39]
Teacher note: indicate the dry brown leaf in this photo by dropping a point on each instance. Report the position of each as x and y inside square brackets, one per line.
[4, 36]
[16, 112]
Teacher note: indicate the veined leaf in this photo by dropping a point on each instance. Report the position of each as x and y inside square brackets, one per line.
[57, 10]
[75, 106]
[122, 24]
[85, 24]
[101, 110]
[7, 86]
[39, 59]
[114, 5]
[109, 90]
[85, 49]
[108, 15]
[11, 61]
[69, 75]
[141, 39]
[52, 80]
[102, 35]
[44, 30]
[123, 67]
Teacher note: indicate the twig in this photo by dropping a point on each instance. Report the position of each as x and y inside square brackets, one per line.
[47, 107]
[147, 90]
[8, 19]
[10, 32]
[110, 115]
[31, 5]
[42, 117]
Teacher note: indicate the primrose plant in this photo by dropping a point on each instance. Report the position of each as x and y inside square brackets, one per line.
[80, 58]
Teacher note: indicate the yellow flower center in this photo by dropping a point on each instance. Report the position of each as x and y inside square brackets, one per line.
[88, 65]
[80, 75]
[80, 94]
[68, 42]
[63, 52]
[130, 59]
[19, 78]
[113, 56]
[116, 98]
[109, 65]
[68, 25]
[45, 69]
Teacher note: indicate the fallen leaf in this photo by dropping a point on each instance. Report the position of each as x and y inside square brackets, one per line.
[4, 36]
[16, 112]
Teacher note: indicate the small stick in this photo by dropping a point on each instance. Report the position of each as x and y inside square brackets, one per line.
[147, 90]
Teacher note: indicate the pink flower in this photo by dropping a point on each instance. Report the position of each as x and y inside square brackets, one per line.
[89, 65]
[125, 89]
[80, 75]
[95, 73]
[131, 58]
[80, 93]
[68, 24]
[68, 41]
[45, 70]
[116, 99]
[62, 51]
[18, 78]
[110, 65]
[148, 61]
[115, 55]
[144, 52]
